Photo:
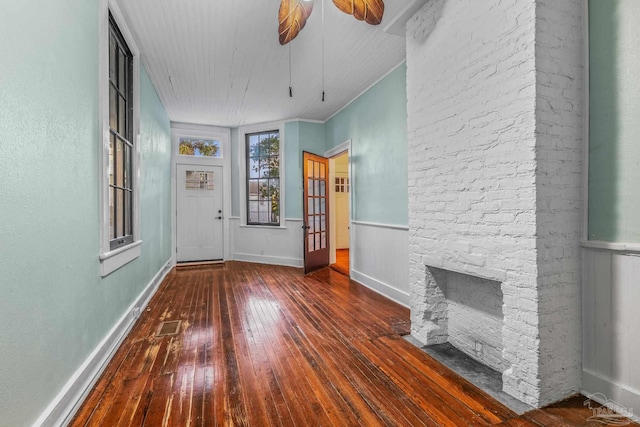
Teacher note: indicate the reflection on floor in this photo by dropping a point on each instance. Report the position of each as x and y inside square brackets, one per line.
[342, 261]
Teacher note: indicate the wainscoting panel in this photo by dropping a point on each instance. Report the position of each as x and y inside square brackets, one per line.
[267, 245]
[611, 321]
[380, 259]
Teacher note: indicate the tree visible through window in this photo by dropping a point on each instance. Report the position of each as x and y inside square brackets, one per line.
[263, 178]
[199, 147]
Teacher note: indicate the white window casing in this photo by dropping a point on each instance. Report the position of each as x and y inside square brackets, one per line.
[111, 260]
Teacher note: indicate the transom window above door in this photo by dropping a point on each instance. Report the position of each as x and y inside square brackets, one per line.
[199, 147]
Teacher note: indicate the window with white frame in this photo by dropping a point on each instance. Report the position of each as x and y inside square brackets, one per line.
[263, 178]
[119, 126]
[120, 139]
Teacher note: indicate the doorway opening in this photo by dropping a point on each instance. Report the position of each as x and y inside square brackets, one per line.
[340, 201]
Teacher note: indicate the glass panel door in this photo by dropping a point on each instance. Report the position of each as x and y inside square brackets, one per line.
[316, 208]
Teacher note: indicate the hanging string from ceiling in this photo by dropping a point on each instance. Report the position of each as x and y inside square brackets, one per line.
[293, 15]
[290, 87]
[322, 50]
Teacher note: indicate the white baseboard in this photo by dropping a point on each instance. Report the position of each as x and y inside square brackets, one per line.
[68, 401]
[610, 393]
[383, 289]
[263, 259]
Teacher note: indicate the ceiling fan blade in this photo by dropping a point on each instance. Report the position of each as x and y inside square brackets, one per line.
[292, 16]
[370, 11]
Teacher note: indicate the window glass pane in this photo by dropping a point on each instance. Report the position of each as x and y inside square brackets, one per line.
[127, 213]
[310, 187]
[274, 164]
[113, 107]
[209, 181]
[323, 206]
[119, 167]
[317, 241]
[122, 64]
[310, 205]
[119, 213]
[316, 226]
[111, 158]
[311, 223]
[309, 168]
[253, 189]
[310, 240]
[323, 223]
[323, 240]
[127, 166]
[254, 168]
[323, 188]
[253, 149]
[253, 211]
[122, 117]
[322, 170]
[316, 187]
[316, 169]
[112, 58]
[263, 189]
[264, 216]
[316, 208]
[274, 184]
[203, 148]
[111, 213]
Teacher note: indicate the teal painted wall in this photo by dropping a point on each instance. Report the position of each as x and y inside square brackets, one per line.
[614, 127]
[299, 136]
[376, 123]
[292, 162]
[55, 306]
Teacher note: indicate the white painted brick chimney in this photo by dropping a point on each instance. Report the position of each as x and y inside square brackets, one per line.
[495, 162]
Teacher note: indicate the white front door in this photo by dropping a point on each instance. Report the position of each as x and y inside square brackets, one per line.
[199, 218]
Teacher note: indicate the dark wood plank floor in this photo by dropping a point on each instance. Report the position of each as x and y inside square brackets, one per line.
[265, 346]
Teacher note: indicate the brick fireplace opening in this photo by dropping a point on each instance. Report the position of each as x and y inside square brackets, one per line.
[471, 316]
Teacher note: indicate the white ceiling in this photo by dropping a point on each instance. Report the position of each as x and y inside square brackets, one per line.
[218, 62]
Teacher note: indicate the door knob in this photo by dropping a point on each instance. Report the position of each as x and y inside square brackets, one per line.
[219, 217]
[305, 227]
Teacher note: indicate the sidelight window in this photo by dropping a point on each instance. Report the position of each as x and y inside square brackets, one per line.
[263, 178]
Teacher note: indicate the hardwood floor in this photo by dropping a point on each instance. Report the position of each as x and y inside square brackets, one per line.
[342, 261]
[264, 345]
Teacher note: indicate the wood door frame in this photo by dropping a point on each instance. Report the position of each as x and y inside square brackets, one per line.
[339, 150]
[224, 136]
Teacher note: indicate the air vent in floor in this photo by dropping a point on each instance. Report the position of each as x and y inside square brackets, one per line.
[168, 328]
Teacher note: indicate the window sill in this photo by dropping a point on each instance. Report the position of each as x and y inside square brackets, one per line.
[268, 227]
[633, 248]
[113, 260]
